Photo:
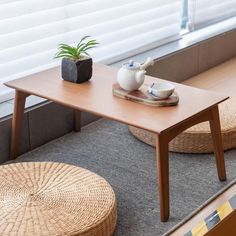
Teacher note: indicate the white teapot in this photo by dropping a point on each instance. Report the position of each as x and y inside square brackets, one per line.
[132, 74]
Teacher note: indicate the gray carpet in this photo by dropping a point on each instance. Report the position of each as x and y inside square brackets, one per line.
[107, 148]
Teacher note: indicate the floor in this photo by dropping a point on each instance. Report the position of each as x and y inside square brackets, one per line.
[107, 148]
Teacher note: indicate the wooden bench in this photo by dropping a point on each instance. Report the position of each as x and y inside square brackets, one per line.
[216, 218]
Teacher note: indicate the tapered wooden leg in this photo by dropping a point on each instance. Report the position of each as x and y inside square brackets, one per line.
[17, 121]
[217, 141]
[163, 176]
[77, 120]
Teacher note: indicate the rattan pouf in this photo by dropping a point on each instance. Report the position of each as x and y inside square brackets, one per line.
[197, 139]
[46, 198]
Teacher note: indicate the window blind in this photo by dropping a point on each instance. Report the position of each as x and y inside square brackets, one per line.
[30, 30]
[202, 12]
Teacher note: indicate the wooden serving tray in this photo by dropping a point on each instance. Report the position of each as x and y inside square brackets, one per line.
[142, 96]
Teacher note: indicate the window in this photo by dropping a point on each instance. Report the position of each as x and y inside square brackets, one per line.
[205, 12]
[30, 30]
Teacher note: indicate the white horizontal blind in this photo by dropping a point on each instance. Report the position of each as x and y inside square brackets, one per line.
[206, 12]
[30, 30]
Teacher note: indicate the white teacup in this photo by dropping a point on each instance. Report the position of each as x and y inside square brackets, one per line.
[161, 89]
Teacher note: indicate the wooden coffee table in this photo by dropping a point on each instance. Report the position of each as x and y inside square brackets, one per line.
[96, 97]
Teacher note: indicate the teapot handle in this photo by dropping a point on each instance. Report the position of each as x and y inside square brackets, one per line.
[148, 62]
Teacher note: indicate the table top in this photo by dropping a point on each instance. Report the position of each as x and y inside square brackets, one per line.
[95, 96]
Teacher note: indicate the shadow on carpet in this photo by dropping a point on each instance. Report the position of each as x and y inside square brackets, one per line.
[108, 149]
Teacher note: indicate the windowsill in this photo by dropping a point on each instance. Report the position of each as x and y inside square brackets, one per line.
[188, 40]
[6, 108]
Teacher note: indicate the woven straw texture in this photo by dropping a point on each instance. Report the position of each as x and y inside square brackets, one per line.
[46, 198]
[197, 139]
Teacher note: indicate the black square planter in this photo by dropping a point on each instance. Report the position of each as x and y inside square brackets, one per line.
[77, 71]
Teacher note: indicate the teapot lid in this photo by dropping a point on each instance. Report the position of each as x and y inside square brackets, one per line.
[131, 65]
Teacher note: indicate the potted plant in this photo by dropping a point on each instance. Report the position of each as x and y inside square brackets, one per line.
[76, 65]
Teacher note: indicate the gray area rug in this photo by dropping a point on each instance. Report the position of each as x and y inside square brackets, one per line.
[108, 149]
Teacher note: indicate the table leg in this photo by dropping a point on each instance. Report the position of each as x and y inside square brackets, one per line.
[17, 122]
[77, 120]
[163, 176]
[217, 142]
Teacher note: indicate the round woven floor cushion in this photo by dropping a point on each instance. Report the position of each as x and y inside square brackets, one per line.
[46, 198]
[197, 139]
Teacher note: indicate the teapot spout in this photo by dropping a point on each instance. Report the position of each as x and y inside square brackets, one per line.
[139, 77]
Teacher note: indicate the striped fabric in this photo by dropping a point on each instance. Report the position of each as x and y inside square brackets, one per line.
[31, 30]
[214, 218]
[206, 12]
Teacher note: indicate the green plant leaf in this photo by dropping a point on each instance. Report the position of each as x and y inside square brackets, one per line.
[65, 46]
[63, 55]
[86, 54]
[85, 37]
[88, 48]
[75, 53]
[88, 45]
